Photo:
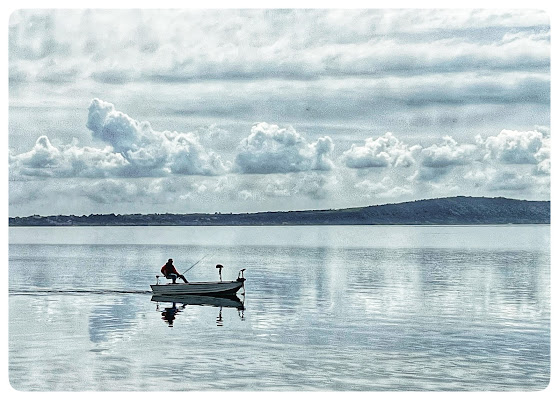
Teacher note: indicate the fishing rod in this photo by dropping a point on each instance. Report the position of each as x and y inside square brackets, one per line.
[193, 265]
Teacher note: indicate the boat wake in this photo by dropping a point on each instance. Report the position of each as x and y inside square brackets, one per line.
[46, 292]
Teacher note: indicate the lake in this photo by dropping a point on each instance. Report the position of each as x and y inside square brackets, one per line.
[370, 308]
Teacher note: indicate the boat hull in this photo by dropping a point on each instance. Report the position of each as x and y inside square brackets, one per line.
[231, 301]
[198, 288]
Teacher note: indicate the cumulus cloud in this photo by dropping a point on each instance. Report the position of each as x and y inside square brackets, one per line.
[118, 129]
[384, 151]
[133, 149]
[46, 160]
[149, 152]
[187, 156]
[284, 164]
[517, 147]
[520, 147]
[270, 149]
[43, 155]
[340, 69]
[438, 160]
[447, 154]
[424, 73]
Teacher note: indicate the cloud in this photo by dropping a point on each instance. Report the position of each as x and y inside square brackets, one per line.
[439, 160]
[133, 149]
[110, 191]
[479, 177]
[431, 174]
[188, 157]
[447, 154]
[239, 66]
[147, 150]
[384, 151]
[313, 185]
[175, 46]
[43, 155]
[295, 166]
[518, 147]
[91, 162]
[54, 73]
[23, 193]
[270, 149]
[245, 195]
[46, 160]
[385, 188]
[510, 181]
[544, 167]
[117, 128]
[423, 74]
[114, 75]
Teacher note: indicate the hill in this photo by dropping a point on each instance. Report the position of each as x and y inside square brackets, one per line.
[444, 211]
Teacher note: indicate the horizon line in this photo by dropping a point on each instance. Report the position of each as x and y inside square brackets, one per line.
[287, 211]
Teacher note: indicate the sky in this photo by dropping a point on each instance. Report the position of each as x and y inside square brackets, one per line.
[180, 111]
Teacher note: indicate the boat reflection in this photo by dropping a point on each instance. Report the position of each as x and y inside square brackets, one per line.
[179, 303]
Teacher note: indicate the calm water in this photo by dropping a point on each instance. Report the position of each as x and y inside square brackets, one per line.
[326, 308]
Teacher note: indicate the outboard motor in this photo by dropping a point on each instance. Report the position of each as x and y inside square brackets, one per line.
[220, 267]
[241, 277]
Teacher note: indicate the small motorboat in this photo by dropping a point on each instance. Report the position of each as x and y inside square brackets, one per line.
[227, 288]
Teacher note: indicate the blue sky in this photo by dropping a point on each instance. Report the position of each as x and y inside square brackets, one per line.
[130, 111]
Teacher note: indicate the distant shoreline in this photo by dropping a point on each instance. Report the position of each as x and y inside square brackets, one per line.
[459, 210]
[274, 226]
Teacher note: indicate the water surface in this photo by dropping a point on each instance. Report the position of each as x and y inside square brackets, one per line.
[326, 308]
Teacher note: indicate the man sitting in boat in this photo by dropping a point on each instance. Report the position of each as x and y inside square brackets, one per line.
[171, 272]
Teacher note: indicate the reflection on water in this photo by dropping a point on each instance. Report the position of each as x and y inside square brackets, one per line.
[179, 303]
[351, 308]
[169, 313]
[107, 321]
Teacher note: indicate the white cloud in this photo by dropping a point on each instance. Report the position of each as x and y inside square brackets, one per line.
[270, 149]
[134, 150]
[422, 73]
[448, 154]
[517, 147]
[289, 167]
[43, 155]
[384, 151]
[179, 153]
[315, 185]
[145, 150]
[349, 68]
[46, 160]
[91, 162]
[188, 157]
[236, 44]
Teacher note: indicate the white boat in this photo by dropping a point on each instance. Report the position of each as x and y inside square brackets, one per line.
[219, 288]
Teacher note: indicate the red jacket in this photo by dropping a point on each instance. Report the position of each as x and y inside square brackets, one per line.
[169, 269]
